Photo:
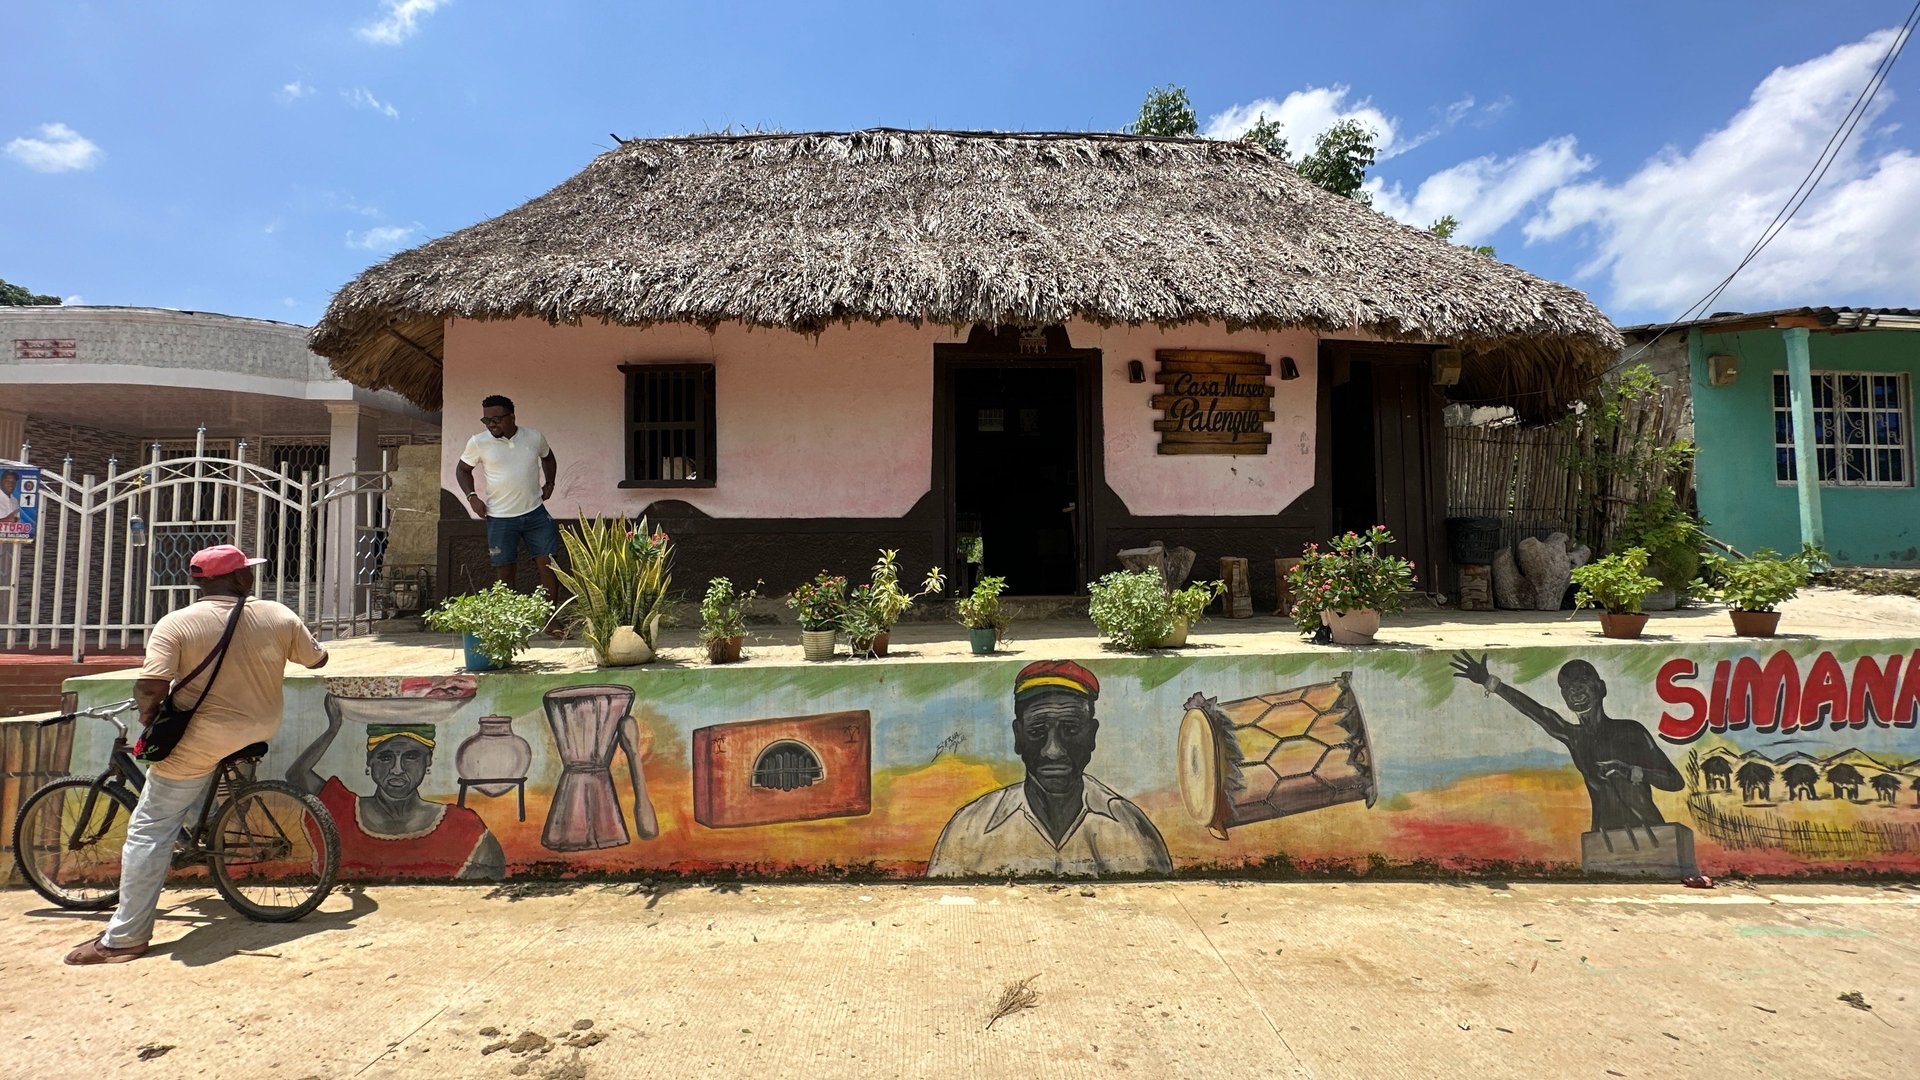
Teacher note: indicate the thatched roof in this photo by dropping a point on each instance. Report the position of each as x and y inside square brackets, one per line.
[954, 228]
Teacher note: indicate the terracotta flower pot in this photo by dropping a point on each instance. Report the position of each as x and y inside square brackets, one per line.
[1755, 623]
[1175, 637]
[817, 644]
[1625, 624]
[873, 646]
[724, 650]
[1352, 627]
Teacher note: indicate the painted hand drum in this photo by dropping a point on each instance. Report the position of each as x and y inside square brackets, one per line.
[1270, 756]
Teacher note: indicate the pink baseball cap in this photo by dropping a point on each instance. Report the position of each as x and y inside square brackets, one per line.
[220, 560]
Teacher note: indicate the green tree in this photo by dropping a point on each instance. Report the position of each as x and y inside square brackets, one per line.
[1166, 113]
[1447, 226]
[12, 295]
[1265, 134]
[1340, 159]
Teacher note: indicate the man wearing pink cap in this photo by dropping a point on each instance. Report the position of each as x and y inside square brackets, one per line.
[241, 707]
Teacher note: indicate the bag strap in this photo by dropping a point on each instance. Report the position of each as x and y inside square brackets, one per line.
[218, 657]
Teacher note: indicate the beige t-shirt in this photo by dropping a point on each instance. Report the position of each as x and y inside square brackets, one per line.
[245, 702]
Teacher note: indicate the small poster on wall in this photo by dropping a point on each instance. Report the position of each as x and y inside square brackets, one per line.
[19, 503]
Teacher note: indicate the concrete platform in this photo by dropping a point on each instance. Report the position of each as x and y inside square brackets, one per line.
[1358, 981]
[1827, 614]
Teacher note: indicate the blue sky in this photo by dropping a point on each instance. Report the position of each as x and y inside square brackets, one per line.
[250, 158]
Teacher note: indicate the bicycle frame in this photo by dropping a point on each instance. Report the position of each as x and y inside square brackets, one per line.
[123, 767]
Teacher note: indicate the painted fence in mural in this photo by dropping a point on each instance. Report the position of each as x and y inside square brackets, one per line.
[1788, 757]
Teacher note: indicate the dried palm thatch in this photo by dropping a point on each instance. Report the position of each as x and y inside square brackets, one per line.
[803, 231]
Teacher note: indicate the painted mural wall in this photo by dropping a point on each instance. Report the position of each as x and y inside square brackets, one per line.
[1794, 757]
[790, 404]
[1739, 495]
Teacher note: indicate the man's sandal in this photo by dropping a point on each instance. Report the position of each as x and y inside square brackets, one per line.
[93, 951]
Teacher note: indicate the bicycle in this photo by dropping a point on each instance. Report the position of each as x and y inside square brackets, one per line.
[273, 851]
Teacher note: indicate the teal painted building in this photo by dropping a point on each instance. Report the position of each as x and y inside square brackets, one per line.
[1845, 377]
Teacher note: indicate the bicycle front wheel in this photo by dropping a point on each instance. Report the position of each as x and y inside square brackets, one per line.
[67, 841]
[274, 852]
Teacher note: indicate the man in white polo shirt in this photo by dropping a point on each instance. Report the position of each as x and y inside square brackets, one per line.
[518, 468]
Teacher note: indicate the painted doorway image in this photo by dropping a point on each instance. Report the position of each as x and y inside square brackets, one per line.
[1016, 431]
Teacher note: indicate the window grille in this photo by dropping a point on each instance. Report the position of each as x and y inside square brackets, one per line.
[787, 765]
[670, 425]
[1860, 429]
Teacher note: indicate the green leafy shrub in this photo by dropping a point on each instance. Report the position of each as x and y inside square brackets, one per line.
[1617, 583]
[981, 610]
[1765, 579]
[1672, 536]
[723, 611]
[873, 608]
[619, 573]
[1349, 575]
[820, 604]
[502, 619]
[1134, 610]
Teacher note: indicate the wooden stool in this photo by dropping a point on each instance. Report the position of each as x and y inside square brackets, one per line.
[1237, 601]
[1280, 589]
[1476, 587]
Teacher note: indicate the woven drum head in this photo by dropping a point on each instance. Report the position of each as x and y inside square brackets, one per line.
[1199, 770]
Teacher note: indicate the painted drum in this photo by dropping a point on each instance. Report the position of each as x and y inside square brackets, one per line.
[1272, 756]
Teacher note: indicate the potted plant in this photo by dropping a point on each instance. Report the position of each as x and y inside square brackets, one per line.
[1674, 540]
[820, 605]
[498, 623]
[981, 613]
[618, 574]
[1134, 610]
[1347, 586]
[873, 608]
[723, 622]
[1616, 584]
[1753, 587]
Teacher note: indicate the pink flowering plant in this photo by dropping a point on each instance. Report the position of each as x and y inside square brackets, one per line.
[1348, 574]
[820, 604]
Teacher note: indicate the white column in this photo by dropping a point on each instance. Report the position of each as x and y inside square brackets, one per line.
[353, 446]
[13, 432]
[1806, 459]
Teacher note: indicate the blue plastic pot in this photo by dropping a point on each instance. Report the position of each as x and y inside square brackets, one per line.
[477, 660]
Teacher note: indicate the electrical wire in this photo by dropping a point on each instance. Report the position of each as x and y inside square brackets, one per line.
[1801, 192]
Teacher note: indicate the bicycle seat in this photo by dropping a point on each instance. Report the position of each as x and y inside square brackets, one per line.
[254, 752]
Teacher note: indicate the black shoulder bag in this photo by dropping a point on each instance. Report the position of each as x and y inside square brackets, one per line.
[170, 719]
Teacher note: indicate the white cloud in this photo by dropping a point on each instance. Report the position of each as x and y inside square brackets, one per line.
[58, 149]
[288, 301]
[382, 237]
[362, 98]
[1486, 193]
[400, 22]
[1668, 233]
[293, 91]
[70, 301]
[272, 227]
[1303, 115]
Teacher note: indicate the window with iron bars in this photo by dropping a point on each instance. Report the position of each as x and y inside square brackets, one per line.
[1860, 429]
[670, 425]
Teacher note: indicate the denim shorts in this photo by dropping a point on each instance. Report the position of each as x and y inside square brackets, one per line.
[536, 527]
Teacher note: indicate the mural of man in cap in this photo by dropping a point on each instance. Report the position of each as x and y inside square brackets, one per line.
[1058, 820]
[395, 832]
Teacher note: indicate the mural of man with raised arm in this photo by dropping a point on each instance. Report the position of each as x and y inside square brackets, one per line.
[1058, 820]
[1618, 758]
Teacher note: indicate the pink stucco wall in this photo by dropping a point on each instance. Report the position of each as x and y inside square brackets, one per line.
[839, 425]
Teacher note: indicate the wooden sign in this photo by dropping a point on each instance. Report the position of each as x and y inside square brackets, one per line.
[1213, 402]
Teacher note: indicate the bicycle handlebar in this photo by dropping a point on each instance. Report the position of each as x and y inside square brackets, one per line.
[109, 713]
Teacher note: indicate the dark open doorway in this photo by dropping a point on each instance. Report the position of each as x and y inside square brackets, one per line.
[1386, 444]
[1356, 499]
[1017, 430]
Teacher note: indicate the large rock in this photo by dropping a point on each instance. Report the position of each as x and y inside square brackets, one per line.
[1536, 576]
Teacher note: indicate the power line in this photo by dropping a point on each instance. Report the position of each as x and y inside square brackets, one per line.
[1801, 192]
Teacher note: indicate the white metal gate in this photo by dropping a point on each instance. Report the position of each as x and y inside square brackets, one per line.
[112, 553]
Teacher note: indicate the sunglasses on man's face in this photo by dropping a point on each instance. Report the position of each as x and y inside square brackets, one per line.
[491, 420]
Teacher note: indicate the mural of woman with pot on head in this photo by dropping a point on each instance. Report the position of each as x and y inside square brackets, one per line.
[394, 831]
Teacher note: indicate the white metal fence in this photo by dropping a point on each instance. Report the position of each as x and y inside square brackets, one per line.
[112, 551]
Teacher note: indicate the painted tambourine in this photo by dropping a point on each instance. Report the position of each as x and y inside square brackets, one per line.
[1272, 756]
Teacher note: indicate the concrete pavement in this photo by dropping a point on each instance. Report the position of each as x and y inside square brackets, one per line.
[1176, 979]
